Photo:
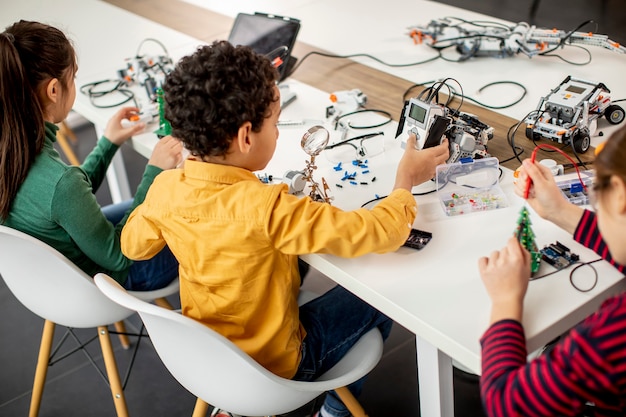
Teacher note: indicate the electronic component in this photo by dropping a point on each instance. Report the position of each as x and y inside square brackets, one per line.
[431, 122]
[344, 102]
[418, 239]
[295, 180]
[558, 255]
[417, 117]
[137, 118]
[526, 237]
[469, 186]
[566, 114]
[147, 71]
[286, 95]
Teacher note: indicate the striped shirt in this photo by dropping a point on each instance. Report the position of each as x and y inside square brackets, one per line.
[588, 365]
[588, 234]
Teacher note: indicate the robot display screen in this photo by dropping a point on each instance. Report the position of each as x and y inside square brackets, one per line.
[575, 90]
[418, 113]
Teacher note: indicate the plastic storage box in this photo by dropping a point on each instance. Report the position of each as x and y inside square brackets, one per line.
[470, 185]
[573, 189]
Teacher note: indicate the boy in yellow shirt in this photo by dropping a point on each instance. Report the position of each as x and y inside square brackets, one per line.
[237, 240]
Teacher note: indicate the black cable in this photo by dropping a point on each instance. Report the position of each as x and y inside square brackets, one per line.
[478, 23]
[373, 199]
[524, 92]
[327, 55]
[408, 90]
[566, 37]
[595, 272]
[383, 112]
[436, 87]
[510, 135]
[91, 91]
[571, 274]
[385, 196]
[350, 140]
[572, 62]
[504, 106]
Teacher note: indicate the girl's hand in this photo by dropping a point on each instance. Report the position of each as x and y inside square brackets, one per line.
[118, 134]
[505, 274]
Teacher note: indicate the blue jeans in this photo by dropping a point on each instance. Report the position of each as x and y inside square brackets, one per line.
[152, 274]
[334, 322]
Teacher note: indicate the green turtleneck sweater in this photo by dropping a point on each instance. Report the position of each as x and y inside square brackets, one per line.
[56, 204]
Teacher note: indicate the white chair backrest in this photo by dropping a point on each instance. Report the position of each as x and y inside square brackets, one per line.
[51, 286]
[217, 371]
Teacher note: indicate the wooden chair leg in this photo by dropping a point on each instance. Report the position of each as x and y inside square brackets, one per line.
[69, 133]
[162, 302]
[117, 392]
[200, 409]
[120, 327]
[62, 139]
[42, 367]
[350, 402]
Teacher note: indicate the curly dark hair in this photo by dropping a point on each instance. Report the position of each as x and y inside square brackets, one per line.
[212, 92]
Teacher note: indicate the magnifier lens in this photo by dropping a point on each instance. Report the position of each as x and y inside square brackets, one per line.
[314, 140]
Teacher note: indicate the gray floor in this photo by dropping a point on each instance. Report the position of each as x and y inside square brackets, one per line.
[74, 388]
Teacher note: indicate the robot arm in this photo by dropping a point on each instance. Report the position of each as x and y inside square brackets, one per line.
[501, 41]
[537, 40]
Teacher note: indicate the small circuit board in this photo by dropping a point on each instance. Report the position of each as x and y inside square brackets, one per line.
[418, 239]
[558, 255]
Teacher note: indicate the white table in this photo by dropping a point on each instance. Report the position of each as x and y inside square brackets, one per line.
[437, 293]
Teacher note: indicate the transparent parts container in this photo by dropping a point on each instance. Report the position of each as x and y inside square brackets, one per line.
[470, 185]
[573, 189]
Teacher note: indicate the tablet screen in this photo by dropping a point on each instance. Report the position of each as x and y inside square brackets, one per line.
[267, 34]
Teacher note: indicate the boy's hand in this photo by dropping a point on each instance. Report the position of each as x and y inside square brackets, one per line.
[506, 274]
[418, 166]
[118, 134]
[167, 153]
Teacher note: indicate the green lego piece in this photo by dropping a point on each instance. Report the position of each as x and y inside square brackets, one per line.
[164, 126]
[526, 237]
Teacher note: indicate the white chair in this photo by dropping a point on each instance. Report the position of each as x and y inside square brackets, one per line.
[218, 372]
[52, 287]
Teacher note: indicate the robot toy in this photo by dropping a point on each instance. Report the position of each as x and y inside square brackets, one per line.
[501, 41]
[567, 113]
[431, 122]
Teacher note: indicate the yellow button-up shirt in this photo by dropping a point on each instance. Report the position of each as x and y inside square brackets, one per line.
[237, 242]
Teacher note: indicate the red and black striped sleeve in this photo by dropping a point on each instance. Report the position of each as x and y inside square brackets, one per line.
[587, 365]
[588, 234]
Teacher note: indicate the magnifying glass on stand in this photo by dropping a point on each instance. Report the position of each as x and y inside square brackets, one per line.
[313, 142]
